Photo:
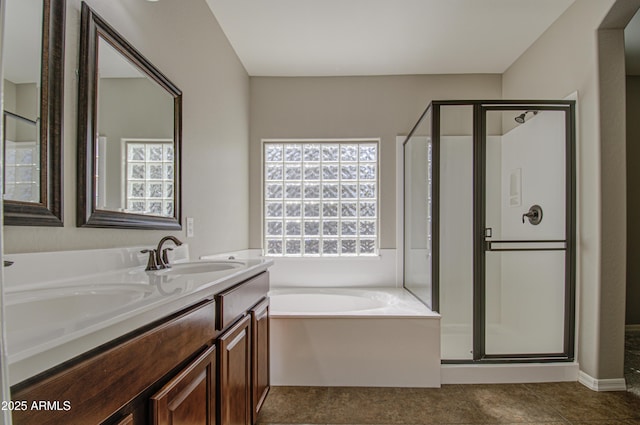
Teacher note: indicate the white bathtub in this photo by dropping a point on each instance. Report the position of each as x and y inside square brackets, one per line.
[353, 337]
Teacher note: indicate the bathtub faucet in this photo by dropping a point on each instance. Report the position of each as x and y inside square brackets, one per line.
[162, 260]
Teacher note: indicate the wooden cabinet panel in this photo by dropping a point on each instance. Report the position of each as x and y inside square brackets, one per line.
[127, 420]
[189, 398]
[236, 301]
[104, 382]
[235, 374]
[259, 356]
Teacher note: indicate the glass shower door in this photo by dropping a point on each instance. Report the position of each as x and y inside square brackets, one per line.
[527, 185]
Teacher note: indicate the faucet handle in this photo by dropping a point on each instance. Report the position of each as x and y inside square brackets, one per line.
[165, 259]
[534, 215]
[151, 261]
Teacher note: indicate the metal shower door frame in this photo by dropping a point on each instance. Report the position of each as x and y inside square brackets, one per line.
[479, 224]
[480, 108]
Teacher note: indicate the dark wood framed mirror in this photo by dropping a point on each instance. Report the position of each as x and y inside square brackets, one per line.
[129, 134]
[33, 112]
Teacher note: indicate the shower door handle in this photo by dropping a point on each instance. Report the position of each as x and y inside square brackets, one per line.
[524, 245]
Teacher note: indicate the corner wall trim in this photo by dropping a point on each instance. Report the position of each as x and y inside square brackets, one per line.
[594, 384]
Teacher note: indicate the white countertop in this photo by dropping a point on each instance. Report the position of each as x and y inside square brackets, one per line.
[49, 322]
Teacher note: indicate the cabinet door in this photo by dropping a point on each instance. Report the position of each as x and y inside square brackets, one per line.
[235, 374]
[189, 398]
[260, 355]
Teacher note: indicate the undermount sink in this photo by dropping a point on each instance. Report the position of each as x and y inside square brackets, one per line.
[201, 267]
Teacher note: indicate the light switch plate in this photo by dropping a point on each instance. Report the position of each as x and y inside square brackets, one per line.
[189, 227]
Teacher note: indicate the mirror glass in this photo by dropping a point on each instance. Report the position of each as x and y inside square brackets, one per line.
[33, 95]
[128, 134]
[23, 54]
[135, 155]
[21, 158]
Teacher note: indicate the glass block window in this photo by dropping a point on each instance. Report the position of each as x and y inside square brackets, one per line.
[321, 198]
[21, 171]
[149, 177]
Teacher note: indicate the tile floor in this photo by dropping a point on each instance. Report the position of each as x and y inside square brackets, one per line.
[534, 404]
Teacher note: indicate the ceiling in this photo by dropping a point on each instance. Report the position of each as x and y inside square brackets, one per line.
[382, 37]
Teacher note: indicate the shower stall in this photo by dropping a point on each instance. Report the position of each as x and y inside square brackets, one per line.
[489, 227]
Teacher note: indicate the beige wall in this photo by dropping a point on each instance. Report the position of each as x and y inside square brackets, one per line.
[350, 107]
[633, 200]
[185, 42]
[21, 99]
[9, 104]
[563, 60]
[27, 100]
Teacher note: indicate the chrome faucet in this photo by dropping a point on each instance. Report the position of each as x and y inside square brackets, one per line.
[162, 259]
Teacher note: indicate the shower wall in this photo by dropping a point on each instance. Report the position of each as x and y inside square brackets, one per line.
[540, 140]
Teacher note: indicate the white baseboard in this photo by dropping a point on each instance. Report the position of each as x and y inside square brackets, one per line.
[632, 328]
[594, 384]
[508, 373]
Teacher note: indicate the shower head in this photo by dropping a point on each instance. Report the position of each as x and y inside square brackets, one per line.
[520, 119]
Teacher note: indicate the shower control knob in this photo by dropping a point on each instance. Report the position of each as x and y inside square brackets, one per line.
[534, 215]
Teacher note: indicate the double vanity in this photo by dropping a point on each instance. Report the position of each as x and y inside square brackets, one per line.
[110, 343]
[112, 336]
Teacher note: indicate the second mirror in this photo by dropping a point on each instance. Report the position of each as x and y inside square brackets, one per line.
[129, 135]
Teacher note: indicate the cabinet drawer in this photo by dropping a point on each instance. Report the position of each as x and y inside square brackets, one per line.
[103, 383]
[235, 301]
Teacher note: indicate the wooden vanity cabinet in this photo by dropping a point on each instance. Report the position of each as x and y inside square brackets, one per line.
[205, 365]
[112, 384]
[243, 350]
[127, 420]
